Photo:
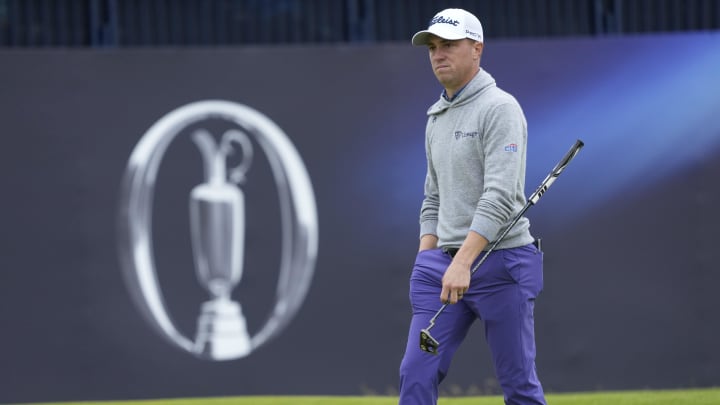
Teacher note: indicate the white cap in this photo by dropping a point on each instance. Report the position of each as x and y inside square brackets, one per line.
[451, 23]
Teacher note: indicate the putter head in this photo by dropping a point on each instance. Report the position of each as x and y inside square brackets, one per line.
[428, 343]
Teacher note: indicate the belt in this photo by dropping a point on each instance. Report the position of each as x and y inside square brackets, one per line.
[453, 251]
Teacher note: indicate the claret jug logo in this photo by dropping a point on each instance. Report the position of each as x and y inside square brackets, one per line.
[217, 227]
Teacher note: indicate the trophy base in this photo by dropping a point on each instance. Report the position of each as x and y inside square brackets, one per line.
[222, 332]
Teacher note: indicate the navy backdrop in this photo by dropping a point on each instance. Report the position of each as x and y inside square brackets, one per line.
[629, 229]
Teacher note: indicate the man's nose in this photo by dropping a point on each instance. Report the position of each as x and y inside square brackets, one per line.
[438, 55]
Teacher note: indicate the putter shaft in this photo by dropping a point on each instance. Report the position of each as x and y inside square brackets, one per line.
[554, 174]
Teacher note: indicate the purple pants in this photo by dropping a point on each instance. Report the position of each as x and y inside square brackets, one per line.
[502, 294]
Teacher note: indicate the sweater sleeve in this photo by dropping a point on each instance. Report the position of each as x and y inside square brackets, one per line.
[431, 202]
[503, 150]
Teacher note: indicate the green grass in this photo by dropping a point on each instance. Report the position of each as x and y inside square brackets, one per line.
[710, 396]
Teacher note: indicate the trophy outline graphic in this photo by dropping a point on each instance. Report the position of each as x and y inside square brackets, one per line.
[217, 219]
[221, 331]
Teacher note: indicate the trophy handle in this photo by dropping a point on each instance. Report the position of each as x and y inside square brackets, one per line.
[237, 173]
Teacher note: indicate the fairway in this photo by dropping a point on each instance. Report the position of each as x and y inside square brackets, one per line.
[710, 396]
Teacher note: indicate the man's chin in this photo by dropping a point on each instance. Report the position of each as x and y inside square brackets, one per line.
[442, 75]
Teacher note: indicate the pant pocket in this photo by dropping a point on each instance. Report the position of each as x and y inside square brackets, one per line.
[525, 266]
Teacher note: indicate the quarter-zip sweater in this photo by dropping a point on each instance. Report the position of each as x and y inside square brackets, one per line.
[476, 151]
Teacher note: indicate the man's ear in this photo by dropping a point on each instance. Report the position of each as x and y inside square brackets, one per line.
[479, 48]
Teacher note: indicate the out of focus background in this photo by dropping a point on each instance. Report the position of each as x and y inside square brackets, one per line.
[90, 310]
[158, 23]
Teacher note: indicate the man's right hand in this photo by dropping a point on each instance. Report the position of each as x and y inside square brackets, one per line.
[455, 283]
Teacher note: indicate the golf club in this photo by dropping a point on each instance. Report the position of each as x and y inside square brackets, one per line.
[430, 344]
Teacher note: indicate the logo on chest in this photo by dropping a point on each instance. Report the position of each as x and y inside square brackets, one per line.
[461, 135]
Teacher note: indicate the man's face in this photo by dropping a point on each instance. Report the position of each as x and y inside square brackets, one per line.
[454, 62]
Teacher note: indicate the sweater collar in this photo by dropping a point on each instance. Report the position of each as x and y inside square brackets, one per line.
[455, 96]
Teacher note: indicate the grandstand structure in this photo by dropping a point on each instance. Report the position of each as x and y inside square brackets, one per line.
[201, 23]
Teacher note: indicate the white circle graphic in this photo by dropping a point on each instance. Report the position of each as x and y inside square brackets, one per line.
[298, 215]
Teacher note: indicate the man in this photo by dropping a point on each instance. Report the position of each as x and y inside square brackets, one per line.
[476, 137]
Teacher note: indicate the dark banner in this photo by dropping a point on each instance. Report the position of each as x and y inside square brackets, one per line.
[217, 222]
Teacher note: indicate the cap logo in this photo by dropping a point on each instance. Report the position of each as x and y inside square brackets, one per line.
[471, 33]
[442, 20]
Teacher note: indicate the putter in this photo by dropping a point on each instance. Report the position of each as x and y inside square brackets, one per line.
[430, 344]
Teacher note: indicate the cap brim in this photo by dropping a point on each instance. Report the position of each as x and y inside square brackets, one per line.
[422, 37]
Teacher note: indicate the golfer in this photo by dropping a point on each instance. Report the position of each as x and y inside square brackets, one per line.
[476, 142]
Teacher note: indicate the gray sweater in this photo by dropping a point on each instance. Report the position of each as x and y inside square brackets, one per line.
[476, 151]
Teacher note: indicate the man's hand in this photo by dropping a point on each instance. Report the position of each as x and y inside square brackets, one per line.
[455, 282]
